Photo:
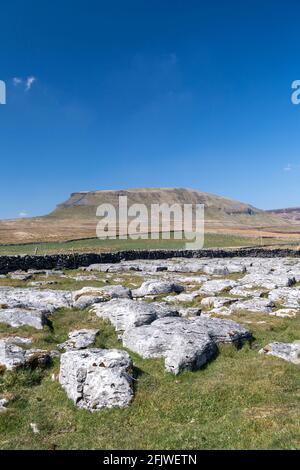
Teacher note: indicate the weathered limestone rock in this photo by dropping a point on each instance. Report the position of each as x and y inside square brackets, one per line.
[185, 344]
[223, 311]
[189, 312]
[223, 268]
[288, 351]
[253, 305]
[223, 331]
[127, 266]
[79, 339]
[163, 310]
[156, 288]
[286, 296]
[87, 296]
[46, 301]
[97, 378]
[193, 279]
[13, 356]
[217, 286]
[269, 280]
[246, 291]
[126, 313]
[217, 302]
[177, 340]
[184, 266]
[183, 297]
[17, 317]
[216, 270]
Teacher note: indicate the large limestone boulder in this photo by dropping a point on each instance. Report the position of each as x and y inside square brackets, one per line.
[157, 287]
[126, 313]
[184, 344]
[79, 339]
[288, 351]
[96, 378]
[17, 317]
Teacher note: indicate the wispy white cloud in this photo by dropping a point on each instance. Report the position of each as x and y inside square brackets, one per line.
[29, 82]
[17, 81]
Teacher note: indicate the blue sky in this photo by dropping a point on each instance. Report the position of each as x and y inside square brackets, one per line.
[148, 93]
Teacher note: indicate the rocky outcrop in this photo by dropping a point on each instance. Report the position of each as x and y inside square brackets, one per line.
[96, 378]
[87, 296]
[126, 313]
[184, 344]
[46, 301]
[17, 317]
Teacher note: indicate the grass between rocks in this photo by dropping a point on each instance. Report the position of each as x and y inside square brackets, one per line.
[241, 400]
[212, 240]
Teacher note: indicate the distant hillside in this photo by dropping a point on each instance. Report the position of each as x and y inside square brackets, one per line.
[84, 204]
[291, 214]
[76, 217]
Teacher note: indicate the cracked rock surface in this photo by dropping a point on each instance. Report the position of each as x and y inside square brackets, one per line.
[17, 317]
[97, 378]
[125, 313]
[46, 301]
[185, 344]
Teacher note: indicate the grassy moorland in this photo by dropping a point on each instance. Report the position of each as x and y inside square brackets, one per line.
[241, 400]
[212, 240]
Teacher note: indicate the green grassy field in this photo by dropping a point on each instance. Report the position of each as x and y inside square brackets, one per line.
[241, 400]
[95, 245]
